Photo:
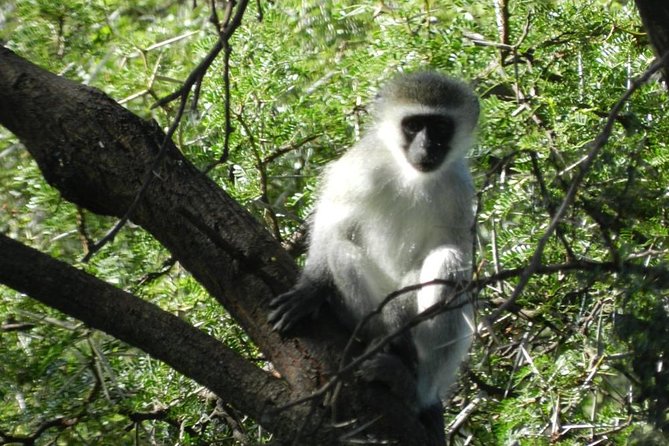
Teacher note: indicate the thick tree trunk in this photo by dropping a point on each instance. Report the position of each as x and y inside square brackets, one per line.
[97, 154]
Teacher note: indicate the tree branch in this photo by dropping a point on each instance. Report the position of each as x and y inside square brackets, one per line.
[96, 153]
[143, 325]
[655, 17]
[595, 148]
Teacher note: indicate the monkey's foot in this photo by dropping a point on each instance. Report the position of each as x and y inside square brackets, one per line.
[392, 371]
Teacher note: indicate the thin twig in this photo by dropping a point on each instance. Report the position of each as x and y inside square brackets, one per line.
[597, 145]
[428, 313]
[231, 24]
[662, 274]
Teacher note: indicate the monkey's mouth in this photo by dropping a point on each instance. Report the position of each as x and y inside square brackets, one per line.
[426, 166]
[430, 163]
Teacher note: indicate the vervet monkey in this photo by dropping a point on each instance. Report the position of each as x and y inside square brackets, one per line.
[397, 210]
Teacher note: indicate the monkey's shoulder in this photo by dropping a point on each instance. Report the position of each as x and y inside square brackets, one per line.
[351, 180]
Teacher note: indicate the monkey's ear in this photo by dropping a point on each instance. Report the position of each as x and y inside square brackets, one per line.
[292, 306]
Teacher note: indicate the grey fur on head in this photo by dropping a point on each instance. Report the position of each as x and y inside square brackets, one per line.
[428, 88]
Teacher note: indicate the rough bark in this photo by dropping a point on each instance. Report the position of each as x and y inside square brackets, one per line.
[96, 153]
[655, 18]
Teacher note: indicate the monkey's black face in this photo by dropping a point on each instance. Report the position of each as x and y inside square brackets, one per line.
[427, 140]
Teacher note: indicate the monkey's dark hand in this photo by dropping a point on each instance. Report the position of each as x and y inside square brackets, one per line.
[292, 306]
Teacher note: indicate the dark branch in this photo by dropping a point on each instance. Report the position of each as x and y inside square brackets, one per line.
[96, 153]
[141, 324]
[655, 17]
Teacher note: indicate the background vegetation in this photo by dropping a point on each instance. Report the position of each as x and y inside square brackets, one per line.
[582, 356]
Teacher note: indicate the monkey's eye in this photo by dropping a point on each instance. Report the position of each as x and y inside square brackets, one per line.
[437, 127]
[441, 128]
[412, 125]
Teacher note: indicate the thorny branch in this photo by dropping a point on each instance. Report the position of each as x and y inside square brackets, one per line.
[596, 146]
[659, 274]
[428, 313]
[59, 423]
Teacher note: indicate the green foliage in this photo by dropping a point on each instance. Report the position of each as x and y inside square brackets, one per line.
[583, 358]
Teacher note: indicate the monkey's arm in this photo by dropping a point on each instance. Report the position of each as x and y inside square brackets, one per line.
[337, 256]
[315, 282]
[360, 281]
[333, 261]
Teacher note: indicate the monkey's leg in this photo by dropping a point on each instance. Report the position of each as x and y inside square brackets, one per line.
[442, 342]
[446, 263]
[394, 372]
[433, 419]
[395, 367]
